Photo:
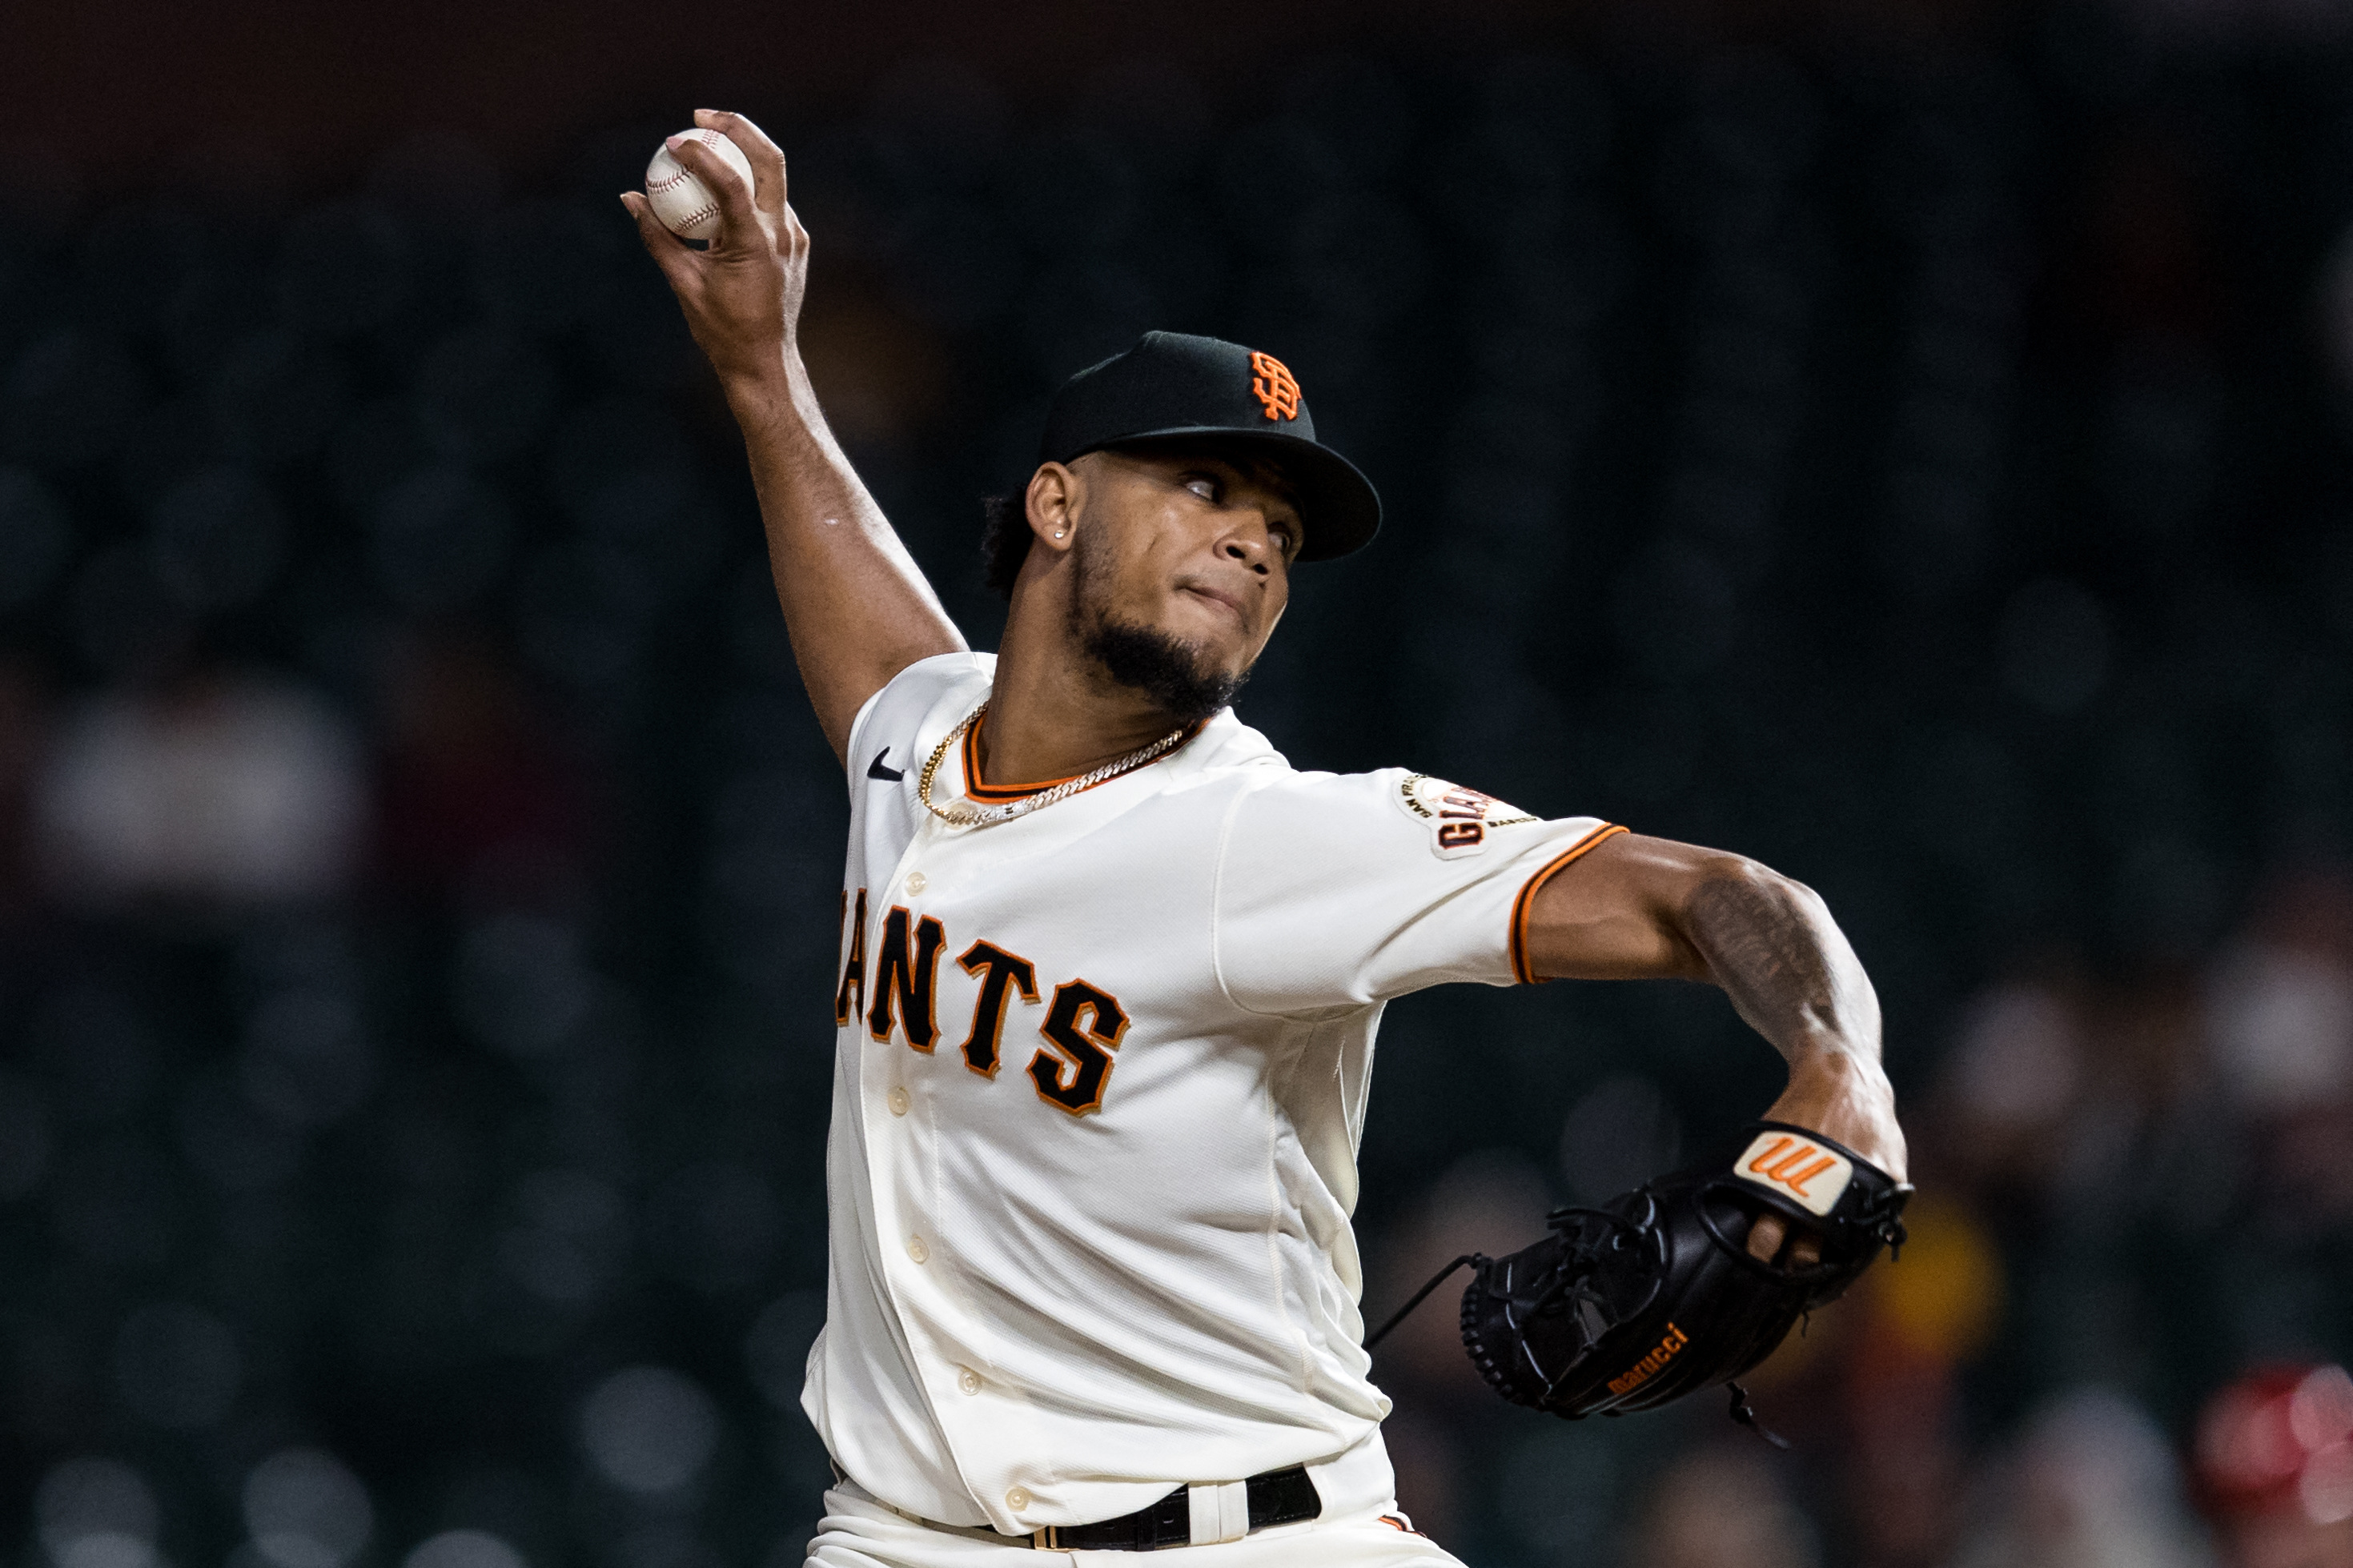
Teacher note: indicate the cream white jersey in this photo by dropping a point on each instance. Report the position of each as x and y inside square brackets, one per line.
[1100, 1077]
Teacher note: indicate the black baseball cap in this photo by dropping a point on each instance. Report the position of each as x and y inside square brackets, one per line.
[1172, 386]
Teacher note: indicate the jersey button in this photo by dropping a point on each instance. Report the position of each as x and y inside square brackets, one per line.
[899, 1100]
[915, 883]
[1017, 1499]
[917, 1250]
[968, 1380]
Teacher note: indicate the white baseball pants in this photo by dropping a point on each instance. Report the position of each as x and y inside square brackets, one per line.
[860, 1532]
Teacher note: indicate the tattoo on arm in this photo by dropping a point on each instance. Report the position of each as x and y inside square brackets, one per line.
[1785, 965]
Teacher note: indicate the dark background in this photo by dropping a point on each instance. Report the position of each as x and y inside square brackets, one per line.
[1907, 445]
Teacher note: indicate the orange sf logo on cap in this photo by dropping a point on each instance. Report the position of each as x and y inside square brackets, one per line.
[1274, 387]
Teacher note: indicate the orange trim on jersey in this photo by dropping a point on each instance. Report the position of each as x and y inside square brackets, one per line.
[974, 789]
[1526, 900]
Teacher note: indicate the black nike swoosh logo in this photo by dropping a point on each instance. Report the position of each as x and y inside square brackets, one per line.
[875, 770]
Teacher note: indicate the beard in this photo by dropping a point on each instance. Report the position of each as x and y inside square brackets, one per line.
[1176, 675]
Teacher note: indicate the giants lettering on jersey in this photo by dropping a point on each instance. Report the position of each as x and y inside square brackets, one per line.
[1083, 1027]
[908, 980]
[995, 969]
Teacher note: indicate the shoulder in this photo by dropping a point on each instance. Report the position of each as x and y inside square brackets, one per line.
[1392, 805]
[909, 700]
[1226, 748]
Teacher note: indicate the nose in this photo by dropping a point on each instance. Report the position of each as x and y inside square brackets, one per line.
[1249, 542]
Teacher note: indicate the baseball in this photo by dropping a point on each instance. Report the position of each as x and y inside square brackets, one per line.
[683, 203]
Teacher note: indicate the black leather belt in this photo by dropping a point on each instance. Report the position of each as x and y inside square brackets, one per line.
[1276, 1497]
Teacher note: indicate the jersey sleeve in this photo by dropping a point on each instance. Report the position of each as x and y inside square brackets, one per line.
[1344, 889]
[908, 704]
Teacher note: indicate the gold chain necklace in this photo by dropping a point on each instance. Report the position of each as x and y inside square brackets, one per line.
[962, 814]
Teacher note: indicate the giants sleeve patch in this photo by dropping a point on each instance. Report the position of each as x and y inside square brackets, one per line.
[1461, 821]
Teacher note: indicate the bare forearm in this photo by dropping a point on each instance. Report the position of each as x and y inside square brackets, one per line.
[1638, 908]
[856, 606]
[1771, 944]
[1790, 973]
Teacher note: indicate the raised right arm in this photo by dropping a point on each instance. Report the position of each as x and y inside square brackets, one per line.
[856, 606]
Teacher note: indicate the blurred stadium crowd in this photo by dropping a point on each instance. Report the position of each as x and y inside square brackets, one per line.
[1923, 470]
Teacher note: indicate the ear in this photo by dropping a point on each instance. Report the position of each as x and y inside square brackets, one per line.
[1056, 492]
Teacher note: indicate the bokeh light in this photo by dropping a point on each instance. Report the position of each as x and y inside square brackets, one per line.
[463, 1549]
[650, 1430]
[96, 1513]
[306, 1509]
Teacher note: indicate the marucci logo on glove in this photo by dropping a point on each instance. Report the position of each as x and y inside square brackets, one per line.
[1796, 1168]
[1640, 1373]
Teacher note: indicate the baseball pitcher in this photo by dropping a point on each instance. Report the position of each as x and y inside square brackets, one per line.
[1110, 971]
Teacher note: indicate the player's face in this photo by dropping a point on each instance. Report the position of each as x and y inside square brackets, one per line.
[1193, 546]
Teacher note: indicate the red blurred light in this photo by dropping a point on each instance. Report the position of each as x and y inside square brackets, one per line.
[2281, 1438]
[2321, 1412]
[2325, 1489]
[2247, 1442]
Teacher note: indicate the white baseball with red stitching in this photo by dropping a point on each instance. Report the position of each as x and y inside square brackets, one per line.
[683, 201]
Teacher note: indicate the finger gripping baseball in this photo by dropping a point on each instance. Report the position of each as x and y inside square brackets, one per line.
[1653, 1295]
[688, 205]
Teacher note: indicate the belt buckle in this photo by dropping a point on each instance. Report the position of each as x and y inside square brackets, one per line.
[1046, 1538]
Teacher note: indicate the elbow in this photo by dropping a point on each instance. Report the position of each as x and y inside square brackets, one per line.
[1721, 876]
[1728, 899]
[1752, 884]
[1719, 891]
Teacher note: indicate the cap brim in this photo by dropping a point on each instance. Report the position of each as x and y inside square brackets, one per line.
[1339, 511]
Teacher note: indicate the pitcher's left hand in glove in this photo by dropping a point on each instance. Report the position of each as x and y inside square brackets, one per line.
[1657, 1293]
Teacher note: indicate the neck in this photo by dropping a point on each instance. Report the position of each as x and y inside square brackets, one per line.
[1052, 713]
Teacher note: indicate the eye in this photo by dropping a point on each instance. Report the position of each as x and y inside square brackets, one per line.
[1204, 486]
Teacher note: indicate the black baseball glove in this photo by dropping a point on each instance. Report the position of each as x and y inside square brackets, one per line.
[1654, 1294]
